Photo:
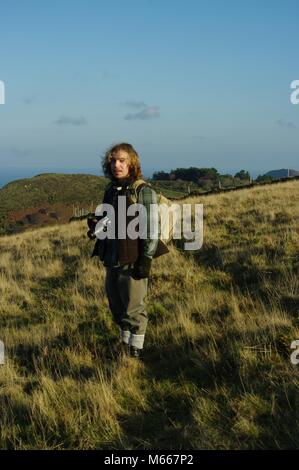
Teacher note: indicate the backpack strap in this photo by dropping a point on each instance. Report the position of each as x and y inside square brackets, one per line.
[139, 182]
[136, 188]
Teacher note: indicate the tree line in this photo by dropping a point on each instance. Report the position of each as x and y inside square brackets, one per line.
[196, 175]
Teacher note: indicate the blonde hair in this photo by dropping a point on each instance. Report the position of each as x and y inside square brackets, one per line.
[134, 163]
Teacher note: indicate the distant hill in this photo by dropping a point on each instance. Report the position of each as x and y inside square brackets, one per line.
[48, 198]
[282, 173]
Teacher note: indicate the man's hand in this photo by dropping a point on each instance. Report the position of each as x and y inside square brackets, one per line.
[142, 268]
[91, 224]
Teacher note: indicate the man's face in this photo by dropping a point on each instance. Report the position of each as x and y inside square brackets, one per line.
[120, 164]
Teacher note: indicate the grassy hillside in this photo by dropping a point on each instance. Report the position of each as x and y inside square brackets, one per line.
[51, 192]
[174, 189]
[216, 372]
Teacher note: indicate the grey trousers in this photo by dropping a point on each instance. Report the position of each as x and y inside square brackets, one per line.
[126, 301]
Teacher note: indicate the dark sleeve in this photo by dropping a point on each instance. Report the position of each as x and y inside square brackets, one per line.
[105, 200]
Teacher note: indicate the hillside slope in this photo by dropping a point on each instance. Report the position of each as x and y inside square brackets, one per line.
[42, 198]
[216, 373]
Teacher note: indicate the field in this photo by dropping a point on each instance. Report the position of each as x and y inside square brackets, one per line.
[216, 372]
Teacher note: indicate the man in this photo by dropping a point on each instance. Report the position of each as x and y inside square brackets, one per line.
[128, 261]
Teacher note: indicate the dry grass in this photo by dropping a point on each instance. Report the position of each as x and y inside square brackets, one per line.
[216, 372]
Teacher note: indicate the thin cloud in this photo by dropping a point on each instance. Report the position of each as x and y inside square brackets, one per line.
[287, 124]
[135, 104]
[18, 152]
[70, 121]
[107, 74]
[150, 112]
[29, 99]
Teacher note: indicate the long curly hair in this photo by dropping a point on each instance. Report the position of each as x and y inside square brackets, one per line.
[134, 163]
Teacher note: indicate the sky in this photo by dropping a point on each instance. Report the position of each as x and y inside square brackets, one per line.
[187, 83]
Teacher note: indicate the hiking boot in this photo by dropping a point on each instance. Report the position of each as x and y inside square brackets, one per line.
[135, 352]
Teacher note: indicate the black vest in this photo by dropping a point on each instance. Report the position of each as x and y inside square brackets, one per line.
[128, 250]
